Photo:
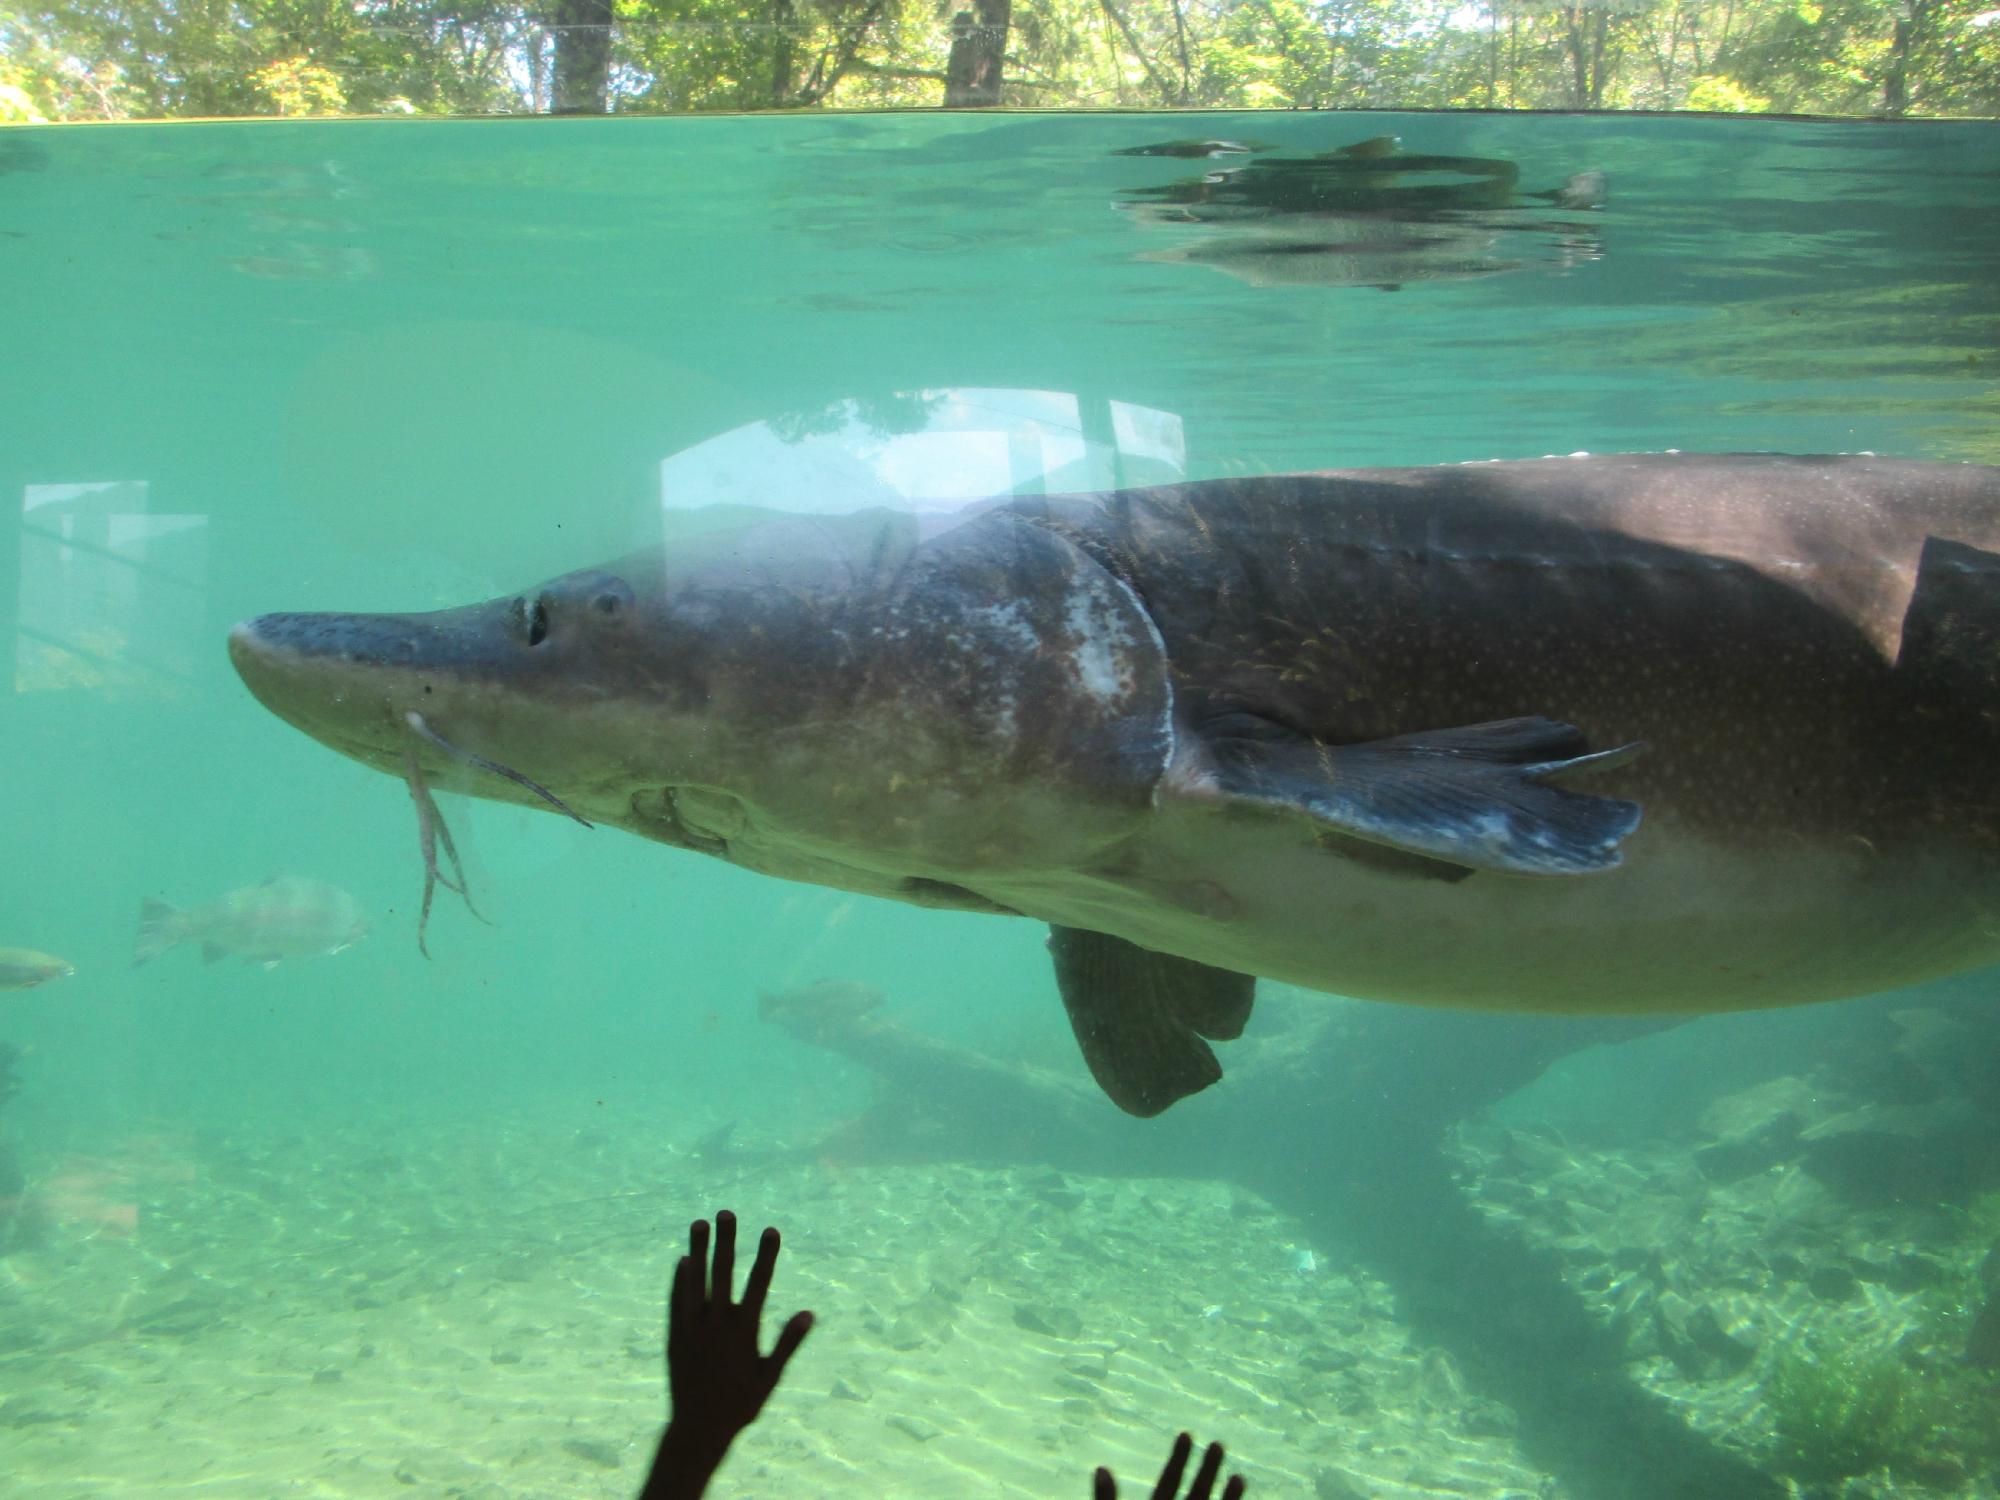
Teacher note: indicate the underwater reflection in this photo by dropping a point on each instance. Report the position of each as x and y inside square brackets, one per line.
[1365, 214]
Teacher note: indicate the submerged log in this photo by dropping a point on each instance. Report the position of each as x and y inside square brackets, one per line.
[1340, 1125]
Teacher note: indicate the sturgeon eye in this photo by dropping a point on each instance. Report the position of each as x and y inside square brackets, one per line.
[612, 600]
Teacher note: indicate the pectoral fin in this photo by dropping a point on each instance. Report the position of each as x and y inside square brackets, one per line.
[1477, 796]
[1951, 633]
[1140, 1016]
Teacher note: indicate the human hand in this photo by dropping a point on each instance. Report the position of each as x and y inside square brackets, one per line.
[1169, 1487]
[717, 1382]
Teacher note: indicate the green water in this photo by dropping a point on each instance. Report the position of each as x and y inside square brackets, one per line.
[371, 1225]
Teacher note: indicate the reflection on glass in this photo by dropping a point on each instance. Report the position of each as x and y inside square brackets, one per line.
[381, 1225]
[111, 595]
[933, 449]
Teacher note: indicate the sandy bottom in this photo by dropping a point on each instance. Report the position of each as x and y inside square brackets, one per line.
[479, 1315]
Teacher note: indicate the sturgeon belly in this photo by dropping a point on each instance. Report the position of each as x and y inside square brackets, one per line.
[1694, 926]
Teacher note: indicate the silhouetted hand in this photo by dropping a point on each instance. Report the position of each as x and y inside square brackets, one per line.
[717, 1382]
[1169, 1487]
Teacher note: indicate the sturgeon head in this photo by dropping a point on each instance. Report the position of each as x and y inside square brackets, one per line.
[530, 684]
[521, 698]
[843, 700]
[588, 694]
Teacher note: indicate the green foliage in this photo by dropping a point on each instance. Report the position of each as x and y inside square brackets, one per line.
[84, 59]
[1269, 53]
[118, 59]
[1982, 1220]
[298, 86]
[1724, 96]
[16, 107]
[1952, 1303]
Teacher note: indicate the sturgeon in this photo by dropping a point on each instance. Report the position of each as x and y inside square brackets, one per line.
[1623, 733]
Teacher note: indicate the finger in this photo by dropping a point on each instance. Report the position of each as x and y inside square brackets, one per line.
[790, 1337]
[684, 1302]
[698, 1253]
[758, 1283]
[1204, 1477]
[725, 1258]
[1103, 1487]
[1235, 1488]
[1170, 1477]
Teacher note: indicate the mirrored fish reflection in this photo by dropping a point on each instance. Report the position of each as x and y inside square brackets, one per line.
[1368, 214]
[288, 916]
[1374, 252]
[24, 968]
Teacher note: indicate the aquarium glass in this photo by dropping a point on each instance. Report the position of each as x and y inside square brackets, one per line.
[369, 1223]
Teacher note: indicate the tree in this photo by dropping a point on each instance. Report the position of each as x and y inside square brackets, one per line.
[978, 55]
[81, 59]
[582, 57]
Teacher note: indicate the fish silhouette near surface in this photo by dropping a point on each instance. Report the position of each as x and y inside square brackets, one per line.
[1191, 149]
[1617, 733]
[1368, 214]
[288, 916]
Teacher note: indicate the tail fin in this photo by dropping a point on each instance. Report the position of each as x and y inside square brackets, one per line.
[159, 930]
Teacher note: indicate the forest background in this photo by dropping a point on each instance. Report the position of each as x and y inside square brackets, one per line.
[118, 59]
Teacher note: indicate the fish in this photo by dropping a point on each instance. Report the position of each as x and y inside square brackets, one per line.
[1191, 149]
[1661, 733]
[1580, 191]
[821, 1009]
[1334, 183]
[24, 968]
[288, 916]
[1368, 215]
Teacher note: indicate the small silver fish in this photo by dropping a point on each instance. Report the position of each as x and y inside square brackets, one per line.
[1191, 150]
[288, 916]
[24, 968]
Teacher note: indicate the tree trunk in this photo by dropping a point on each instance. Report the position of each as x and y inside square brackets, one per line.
[1492, 54]
[583, 57]
[1910, 22]
[1586, 30]
[1599, 73]
[1573, 46]
[1187, 63]
[978, 53]
[784, 18]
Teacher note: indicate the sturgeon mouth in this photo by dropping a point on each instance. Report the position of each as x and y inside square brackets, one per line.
[278, 673]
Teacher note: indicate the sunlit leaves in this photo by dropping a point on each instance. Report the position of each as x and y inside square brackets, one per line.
[297, 85]
[1724, 96]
